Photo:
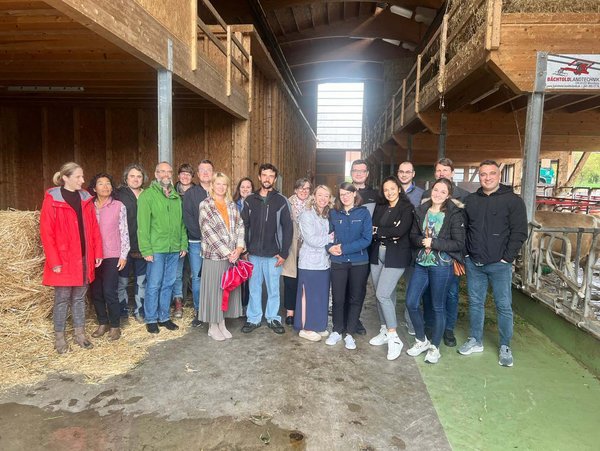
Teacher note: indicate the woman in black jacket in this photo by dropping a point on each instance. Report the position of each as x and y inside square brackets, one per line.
[438, 233]
[390, 254]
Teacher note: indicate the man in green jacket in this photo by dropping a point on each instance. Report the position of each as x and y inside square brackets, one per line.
[163, 241]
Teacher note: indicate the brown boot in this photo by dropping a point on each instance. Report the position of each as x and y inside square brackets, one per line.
[178, 313]
[60, 344]
[114, 334]
[81, 339]
[101, 330]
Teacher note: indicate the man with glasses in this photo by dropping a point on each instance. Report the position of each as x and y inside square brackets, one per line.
[163, 241]
[191, 217]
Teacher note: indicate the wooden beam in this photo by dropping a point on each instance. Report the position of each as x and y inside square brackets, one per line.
[295, 20]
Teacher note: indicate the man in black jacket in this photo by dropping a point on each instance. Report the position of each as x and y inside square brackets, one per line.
[134, 177]
[191, 217]
[269, 232]
[496, 230]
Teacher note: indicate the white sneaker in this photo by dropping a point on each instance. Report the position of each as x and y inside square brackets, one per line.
[395, 346]
[419, 348]
[433, 355]
[324, 333]
[309, 335]
[381, 338]
[350, 343]
[333, 339]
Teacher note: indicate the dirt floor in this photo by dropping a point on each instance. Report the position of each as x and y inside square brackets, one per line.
[256, 391]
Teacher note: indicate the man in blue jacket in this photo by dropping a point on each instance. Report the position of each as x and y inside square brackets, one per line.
[496, 229]
[269, 232]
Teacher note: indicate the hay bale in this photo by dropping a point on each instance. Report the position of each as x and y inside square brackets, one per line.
[550, 6]
[26, 329]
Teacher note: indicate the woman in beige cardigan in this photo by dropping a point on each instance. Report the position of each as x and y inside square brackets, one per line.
[302, 189]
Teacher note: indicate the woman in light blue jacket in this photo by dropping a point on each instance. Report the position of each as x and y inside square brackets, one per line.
[313, 266]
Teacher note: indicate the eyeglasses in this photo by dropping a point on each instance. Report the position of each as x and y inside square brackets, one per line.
[346, 194]
[304, 188]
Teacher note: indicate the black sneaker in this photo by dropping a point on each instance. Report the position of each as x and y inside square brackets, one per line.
[360, 329]
[196, 323]
[289, 320]
[168, 324]
[449, 338]
[249, 327]
[276, 327]
[152, 328]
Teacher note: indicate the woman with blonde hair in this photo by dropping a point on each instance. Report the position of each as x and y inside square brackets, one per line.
[73, 247]
[222, 232]
[313, 266]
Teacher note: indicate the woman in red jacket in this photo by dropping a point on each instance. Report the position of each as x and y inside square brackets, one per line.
[73, 248]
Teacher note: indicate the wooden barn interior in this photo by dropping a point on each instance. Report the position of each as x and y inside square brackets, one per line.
[79, 80]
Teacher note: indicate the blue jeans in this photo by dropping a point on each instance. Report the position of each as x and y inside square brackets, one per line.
[264, 268]
[451, 305]
[437, 278]
[195, 256]
[138, 265]
[178, 284]
[160, 277]
[500, 276]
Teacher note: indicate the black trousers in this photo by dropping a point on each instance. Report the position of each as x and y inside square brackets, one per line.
[290, 291]
[104, 293]
[348, 290]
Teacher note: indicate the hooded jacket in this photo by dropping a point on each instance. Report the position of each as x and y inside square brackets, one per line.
[451, 238]
[268, 225]
[496, 225]
[60, 238]
[160, 223]
[352, 229]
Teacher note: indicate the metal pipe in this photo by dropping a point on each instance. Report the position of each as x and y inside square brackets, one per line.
[165, 108]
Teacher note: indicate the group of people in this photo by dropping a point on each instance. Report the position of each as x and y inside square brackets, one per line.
[321, 243]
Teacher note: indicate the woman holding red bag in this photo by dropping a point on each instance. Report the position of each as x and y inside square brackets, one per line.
[222, 232]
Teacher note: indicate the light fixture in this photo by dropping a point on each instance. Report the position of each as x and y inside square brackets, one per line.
[409, 46]
[399, 10]
[45, 88]
[391, 41]
[424, 15]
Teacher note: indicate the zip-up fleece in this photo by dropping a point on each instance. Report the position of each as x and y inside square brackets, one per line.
[160, 222]
[268, 224]
[352, 229]
[496, 225]
[60, 238]
[451, 238]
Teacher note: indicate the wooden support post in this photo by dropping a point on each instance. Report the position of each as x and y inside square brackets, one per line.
[165, 108]
[533, 135]
[409, 148]
[228, 60]
[393, 114]
[418, 83]
[441, 81]
[193, 34]
[493, 23]
[403, 101]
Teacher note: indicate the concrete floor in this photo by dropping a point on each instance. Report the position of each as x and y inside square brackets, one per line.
[195, 393]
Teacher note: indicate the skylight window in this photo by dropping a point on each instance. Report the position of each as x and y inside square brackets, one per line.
[339, 116]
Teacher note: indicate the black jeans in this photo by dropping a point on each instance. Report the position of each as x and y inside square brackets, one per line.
[348, 290]
[290, 291]
[104, 293]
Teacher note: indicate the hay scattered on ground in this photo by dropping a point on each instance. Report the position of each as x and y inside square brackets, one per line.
[26, 332]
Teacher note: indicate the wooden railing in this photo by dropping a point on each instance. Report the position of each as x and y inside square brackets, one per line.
[465, 22]
[238, 58]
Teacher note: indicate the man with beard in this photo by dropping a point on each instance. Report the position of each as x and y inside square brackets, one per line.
[191, 219]
[269, 233]
[162, 240]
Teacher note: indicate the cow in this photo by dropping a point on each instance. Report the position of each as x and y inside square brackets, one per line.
[566, 220]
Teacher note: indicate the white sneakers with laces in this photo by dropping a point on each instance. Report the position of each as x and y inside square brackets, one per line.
[381, 338]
